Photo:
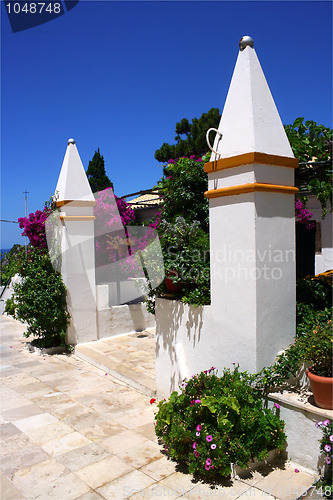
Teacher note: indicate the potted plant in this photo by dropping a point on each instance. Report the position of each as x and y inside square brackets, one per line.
[317, 349]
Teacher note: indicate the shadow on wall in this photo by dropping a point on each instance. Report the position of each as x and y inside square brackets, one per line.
[178, 334]
[138, 319]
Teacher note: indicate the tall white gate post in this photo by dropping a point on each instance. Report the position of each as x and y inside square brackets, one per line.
[252, 220]
[75, 201]
[252, 243]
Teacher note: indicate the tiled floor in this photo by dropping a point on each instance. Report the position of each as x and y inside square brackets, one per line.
[70, 430]
[129, 358]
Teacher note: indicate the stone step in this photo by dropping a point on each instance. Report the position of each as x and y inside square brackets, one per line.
[122, 361]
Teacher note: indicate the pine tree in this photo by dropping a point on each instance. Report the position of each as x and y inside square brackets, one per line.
[96, 174]
[194, 142]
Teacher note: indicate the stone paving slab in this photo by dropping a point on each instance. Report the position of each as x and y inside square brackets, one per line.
[129, 358]
[70, 430]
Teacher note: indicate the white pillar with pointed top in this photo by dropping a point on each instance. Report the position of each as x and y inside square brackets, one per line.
[252, 243]
[75, 202]
[252, 226]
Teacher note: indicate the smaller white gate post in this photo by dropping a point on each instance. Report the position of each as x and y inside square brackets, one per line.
[75, 201]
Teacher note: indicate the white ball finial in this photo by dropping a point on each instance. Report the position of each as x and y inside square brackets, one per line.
[244, 42]
[71, 141]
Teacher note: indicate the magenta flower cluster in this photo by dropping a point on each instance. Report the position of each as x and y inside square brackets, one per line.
[195, 401]
[34, 227]
[209, 439]
[303, 215]
[115, 239]
[210, 370]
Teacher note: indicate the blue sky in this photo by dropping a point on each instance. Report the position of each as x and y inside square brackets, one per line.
[119, 75]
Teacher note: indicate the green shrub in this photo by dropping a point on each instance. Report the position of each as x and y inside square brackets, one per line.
[40, 300]
[216, 421]
[314, 291]
[314, 346]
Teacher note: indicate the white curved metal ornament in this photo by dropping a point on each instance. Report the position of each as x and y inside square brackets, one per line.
[207, 139]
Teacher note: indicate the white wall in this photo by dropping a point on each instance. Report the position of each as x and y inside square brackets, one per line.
[323, 258]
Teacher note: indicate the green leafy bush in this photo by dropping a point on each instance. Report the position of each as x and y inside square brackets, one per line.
[183, 185]
[216, 421]
[314, 346]
[40, 300]
[315, 291]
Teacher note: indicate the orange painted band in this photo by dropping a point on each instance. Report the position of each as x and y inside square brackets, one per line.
[76, 203]
[248, 158]
[77, 217]
[250, 188]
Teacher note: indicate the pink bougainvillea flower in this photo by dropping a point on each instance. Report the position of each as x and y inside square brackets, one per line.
[213, 446]
[212, 466]
[208, 461]
[327, 460]
[209, 438]
[191, 403]
[152, 401]
[326, 422]
[207, 467]
[196, 453]
[277, 406]
[199, 427]
[328, 448]
[194, 445]
[197, 401]
[318, 424]
[331, 438]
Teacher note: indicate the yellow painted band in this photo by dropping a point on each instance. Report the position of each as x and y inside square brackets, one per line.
[250, 188]
[77, 217]
[248, 158]
[76, 203]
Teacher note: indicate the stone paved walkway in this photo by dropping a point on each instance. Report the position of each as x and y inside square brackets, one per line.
[70, 430]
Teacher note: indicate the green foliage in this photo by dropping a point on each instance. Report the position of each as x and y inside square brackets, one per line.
[40, 300]
[311, 141]
[10, 263]
[183, 185]
[216, 421]
[195, 141]
[316, 347]
[185, 248]
[313, 342]
[183, 230]
[315, 291]
[313, 302]
[96, 174]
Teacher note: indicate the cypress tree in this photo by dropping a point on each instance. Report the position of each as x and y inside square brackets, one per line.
[96, 174]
